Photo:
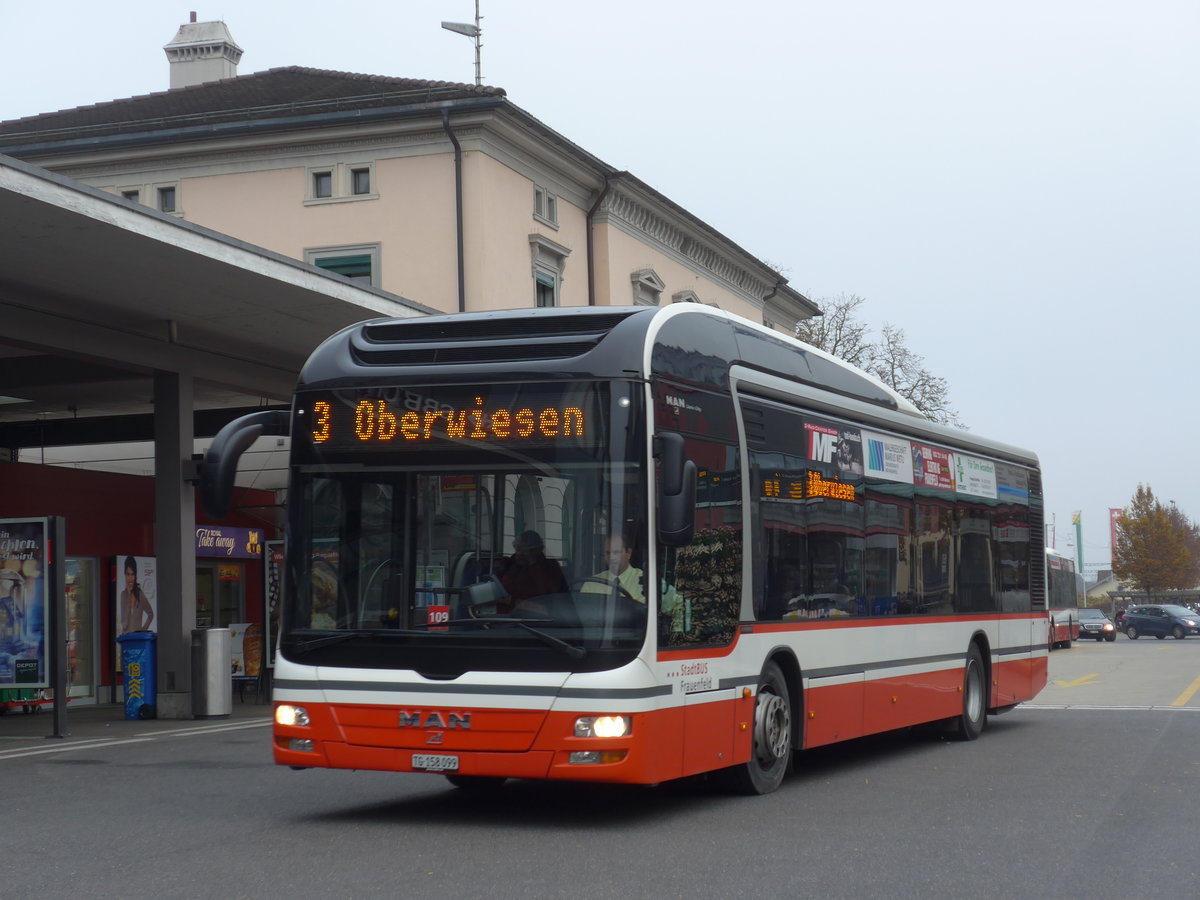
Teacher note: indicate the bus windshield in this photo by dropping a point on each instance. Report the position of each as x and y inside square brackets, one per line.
[444, 556]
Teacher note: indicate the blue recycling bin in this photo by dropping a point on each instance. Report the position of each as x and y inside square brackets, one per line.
[139, 663]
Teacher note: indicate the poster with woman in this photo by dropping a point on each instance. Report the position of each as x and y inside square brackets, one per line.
[137, 605]
[23, 603]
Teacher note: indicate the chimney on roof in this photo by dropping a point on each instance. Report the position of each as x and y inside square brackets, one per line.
[202, 52]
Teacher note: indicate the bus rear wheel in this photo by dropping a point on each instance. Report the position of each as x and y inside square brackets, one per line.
[974, 715]
[771, 753]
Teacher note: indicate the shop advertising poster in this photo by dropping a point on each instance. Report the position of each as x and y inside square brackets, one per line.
[246, 645]
[23, 603]
[137, 594]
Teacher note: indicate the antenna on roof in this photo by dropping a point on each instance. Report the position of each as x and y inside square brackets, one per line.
[471, 31]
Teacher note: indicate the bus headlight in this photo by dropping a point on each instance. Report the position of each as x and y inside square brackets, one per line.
[286, 714]
[603, 726]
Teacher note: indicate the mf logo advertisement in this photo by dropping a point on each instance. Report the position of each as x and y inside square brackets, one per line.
[23, 603]
[835, 445]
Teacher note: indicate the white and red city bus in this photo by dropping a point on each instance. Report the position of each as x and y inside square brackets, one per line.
[1062, 599]
[741, 548]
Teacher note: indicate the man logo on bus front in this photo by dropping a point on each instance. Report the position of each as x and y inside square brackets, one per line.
[435, 719]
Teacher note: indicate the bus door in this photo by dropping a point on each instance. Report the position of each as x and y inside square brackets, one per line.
[700, 601]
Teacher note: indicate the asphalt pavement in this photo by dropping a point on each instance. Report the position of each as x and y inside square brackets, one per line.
[107, 721]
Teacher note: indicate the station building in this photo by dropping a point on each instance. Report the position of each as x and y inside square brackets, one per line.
[170, 259]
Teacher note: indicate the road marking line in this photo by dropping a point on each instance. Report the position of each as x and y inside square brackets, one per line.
[1182, 699]
[1086, 679]
[63, 748]
[144, 737]
[207, 729]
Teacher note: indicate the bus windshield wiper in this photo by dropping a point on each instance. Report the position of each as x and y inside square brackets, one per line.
[550, 640]
[342, 636]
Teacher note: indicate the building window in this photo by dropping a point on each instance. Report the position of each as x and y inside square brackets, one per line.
[545, 206]
[357, 266]
[647, 287]
[134, 195]
[685, 297]
[549, 262]
[545, 289]
[340, 183]
[359, 262]
[167, 199]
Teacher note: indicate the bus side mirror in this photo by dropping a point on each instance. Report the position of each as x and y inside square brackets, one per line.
[219, 467]
[676, 491]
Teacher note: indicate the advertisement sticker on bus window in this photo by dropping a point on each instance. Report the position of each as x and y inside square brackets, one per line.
[974, 476]
[933, 467]
[1012, 483]
[886, 457]
[835, 445]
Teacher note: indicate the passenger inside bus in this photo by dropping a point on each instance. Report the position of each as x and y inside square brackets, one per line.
[528, 573]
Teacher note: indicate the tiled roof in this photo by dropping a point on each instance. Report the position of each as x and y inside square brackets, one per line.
[287, 91]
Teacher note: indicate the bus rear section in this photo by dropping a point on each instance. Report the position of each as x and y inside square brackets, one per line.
[1062, 599]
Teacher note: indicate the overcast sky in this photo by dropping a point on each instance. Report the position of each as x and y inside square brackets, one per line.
[1012, 182]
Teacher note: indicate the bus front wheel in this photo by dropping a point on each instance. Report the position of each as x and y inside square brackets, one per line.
[974, 715]
[771, 752]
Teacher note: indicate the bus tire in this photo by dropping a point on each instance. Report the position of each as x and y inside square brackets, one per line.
[771, 744]
[974, 715]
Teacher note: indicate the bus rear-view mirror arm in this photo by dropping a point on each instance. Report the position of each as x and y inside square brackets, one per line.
[676, 490]
[219, 467]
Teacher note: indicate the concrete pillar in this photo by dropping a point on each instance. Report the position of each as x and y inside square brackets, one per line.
[174, 542]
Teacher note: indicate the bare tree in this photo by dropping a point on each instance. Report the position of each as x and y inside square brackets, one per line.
[838, 331]
[889, 358]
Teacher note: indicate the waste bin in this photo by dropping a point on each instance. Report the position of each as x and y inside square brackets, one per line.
[138, 661]
[212, 679]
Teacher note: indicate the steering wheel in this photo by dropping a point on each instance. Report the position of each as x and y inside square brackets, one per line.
[608, 585]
